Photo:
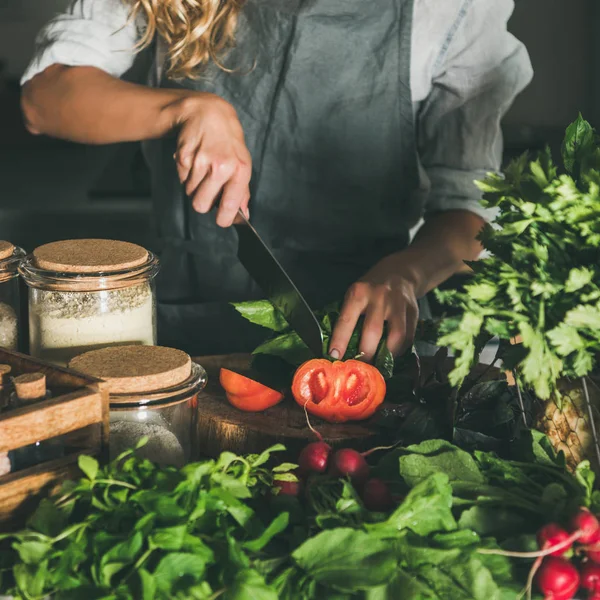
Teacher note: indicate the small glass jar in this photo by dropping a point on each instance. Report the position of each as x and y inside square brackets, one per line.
[88, 294]
[10, 259]
[153, 393]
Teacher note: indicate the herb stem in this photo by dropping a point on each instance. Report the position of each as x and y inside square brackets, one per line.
[116, 482]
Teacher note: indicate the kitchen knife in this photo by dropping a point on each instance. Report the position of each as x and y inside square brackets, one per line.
[276, 284]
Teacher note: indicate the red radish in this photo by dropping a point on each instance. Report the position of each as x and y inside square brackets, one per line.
[557, 579]
[377, 496]
[287, 488]
[585, 525]
[552, 535]
[314, 458]
[349, 463]
[590, 578]
[593, 555]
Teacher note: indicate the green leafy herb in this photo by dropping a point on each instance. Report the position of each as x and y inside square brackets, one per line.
[541, 281]
[212, 529]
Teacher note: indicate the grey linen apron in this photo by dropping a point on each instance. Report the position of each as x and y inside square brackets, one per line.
[322, 90]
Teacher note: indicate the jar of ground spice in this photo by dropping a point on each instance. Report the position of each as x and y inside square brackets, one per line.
[89, 294]
[153, 393]
[10, 259]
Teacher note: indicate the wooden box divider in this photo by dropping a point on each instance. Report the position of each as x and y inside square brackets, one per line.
[77, 412]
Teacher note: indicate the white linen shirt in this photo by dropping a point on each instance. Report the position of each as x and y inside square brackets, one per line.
[466, 70]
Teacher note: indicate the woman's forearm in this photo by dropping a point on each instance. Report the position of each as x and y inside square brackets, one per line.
[440, 248]
[85, 104]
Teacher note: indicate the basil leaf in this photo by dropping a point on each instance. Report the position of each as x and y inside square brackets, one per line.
[384, 361]
[288, 346]
[263, 313]
[578, 142]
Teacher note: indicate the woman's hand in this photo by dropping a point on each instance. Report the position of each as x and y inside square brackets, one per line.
[389, 291]
[386, 294]
[212, 159]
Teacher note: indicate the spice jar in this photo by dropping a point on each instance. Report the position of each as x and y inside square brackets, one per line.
[153, 393]
[88, 294]
[10, 258]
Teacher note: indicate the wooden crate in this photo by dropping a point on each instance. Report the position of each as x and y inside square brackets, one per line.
[78, 411]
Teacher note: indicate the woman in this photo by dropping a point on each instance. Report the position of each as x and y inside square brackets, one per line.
[337, 124]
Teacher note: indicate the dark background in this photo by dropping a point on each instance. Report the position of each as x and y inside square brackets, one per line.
[54, 190]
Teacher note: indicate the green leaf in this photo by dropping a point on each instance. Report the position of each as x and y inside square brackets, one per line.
[482, 292]
[249, 585]
[496, 521]
[584, 317]
[108, 571]
[384, 361]
[168, 538]
[32, 552]
[284, 468]
[264, 456]
[541, 368]
[125, 551]
[578, 142]
[263, 313]
[347, 560]
[147, 585]
[177, 565]
[89, 466]
[47, 519]
[578, 278]
[565, 339]
[438, 456]
[583, 363]
[586, 477]
[404, 586]
[288, 346]
[31, 579]
[426, 509]
[278, 525]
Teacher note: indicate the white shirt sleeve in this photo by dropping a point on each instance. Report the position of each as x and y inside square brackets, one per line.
[94, 33]
[476, 76]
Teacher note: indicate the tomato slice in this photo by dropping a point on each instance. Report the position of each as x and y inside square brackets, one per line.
[339, 391]
[246, 394]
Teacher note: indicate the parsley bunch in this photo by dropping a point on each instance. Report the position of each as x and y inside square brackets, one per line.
[541, 282]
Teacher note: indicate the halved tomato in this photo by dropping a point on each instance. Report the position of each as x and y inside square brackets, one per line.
[339, 391]
[246, 394]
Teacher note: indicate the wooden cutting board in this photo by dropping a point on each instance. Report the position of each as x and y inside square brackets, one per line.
[222, 427]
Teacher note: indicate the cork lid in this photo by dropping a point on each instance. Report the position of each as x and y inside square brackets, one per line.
[6, 249]
[31, 386]
[135, 369]
[89, 256]
[4, 374]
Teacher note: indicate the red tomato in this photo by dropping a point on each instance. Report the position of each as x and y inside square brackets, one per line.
[246, 394]
[339, 391]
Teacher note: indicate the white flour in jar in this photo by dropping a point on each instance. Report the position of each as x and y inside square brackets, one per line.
[9, 327]
[162, 448]
[66, 324]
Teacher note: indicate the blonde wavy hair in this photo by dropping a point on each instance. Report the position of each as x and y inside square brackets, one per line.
[195, 32]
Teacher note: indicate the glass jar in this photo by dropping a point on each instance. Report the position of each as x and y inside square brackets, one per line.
[154, 394]
[89, 294]
[10, 259]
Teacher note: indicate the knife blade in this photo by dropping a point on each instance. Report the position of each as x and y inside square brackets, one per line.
[276, 284]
